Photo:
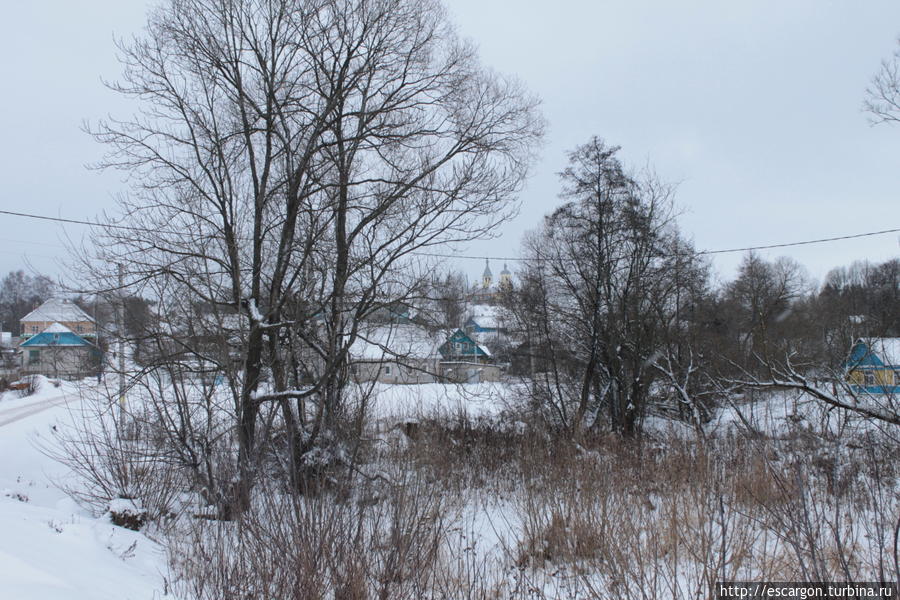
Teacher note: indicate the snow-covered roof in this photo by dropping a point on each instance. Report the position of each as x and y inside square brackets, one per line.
[485, 337]
[59, 310]
[486, 315]
[887, 349]
[395, 341]
[227, 321]
[56, 335]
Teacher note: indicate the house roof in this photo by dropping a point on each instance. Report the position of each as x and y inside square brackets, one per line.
[394, 341]
[875, 352]
[56, 335]
[486, 316]
[461, 336]
[58, 310]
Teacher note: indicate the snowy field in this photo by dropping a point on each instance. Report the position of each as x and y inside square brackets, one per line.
[50, 548]
[472, 401]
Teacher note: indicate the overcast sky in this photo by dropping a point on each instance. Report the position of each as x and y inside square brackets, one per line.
[753, 107]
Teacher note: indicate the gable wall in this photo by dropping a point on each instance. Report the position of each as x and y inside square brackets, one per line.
[32, 328]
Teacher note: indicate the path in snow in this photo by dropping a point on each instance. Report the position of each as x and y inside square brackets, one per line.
[17, 413]
[50, 548]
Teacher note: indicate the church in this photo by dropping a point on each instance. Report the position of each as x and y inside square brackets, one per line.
[487, 292]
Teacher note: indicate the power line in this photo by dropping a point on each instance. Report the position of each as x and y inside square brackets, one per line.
[497, 258]
[704, 252]
[73, 221]
[807, 242]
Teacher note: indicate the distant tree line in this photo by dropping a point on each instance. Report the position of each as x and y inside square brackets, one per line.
[20, 293]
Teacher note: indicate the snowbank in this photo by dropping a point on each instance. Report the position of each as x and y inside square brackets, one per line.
[474, 401]
[50, 547]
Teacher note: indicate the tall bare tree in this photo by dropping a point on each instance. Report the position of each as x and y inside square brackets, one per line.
[763, 297]
[602, 275]
[289, 159]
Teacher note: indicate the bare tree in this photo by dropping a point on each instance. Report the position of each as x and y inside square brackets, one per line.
[19, 294]
[763, 297]
[447, 298]
[603, 270]
[860, 300]
[883, 94]
[836, 392]
[289, 160]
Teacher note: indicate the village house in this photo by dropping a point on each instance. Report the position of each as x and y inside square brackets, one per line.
[874, 365]
[464, 360]
[402, 353]
[409, 354]
[61, 311]
[59, 352]
[484, 319]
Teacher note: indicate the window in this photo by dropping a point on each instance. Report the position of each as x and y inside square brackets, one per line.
[34, 329]
[870, 379]
[79, 328]
[34, 356]
[387, 370]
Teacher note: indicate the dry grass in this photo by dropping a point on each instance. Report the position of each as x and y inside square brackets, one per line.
[609, 518]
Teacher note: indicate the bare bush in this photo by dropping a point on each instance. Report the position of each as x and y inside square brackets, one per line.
[383, 543]
[106, 466]
[670, 521]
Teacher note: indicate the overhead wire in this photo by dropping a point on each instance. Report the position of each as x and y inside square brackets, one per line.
[472, 257]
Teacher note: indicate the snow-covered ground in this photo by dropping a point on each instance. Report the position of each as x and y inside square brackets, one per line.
[50, 548]
[474, 401]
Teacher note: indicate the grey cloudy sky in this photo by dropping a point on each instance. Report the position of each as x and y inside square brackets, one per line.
[753, 106]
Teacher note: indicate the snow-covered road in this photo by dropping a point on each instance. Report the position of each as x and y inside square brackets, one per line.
[51, 548]
[17, 412]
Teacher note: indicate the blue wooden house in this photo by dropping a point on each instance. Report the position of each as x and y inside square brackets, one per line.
[464, 360]
[874, 366]
[461, 347]
[57, 351]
